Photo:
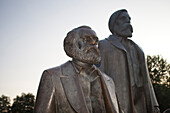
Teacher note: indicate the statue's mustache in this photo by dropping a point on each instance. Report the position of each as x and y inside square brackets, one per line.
[127, 26]
[93, 49]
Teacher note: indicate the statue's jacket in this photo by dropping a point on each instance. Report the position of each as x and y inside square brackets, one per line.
[116, 63]
[60, 92]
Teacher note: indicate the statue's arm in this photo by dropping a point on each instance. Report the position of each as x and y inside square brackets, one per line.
[153, 97]
[45, 101]
[151, 91]
[148, 83]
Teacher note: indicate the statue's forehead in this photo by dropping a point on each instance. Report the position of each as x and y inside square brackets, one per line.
[124, 14]
[87, 32]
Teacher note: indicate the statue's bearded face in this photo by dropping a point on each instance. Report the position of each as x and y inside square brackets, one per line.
[123, 27]
[85, 47]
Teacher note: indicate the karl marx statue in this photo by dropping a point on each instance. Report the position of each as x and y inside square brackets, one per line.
[124, 61]
[77, 86]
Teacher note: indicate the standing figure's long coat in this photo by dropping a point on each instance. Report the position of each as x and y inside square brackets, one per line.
[60, 92]
[132, 82]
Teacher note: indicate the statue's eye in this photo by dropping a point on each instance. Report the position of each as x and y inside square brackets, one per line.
[87, 39]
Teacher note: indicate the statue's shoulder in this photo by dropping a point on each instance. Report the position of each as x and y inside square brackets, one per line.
[137, 46]
[107, 41]
[103, 42]
[58, 69]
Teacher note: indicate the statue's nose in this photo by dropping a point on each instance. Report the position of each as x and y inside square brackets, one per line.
[93, 42]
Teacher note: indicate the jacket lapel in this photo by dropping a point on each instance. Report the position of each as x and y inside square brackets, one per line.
[111, 91]
[115, 42]
[72, 89]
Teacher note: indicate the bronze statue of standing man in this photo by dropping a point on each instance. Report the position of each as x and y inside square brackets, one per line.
[124, 62]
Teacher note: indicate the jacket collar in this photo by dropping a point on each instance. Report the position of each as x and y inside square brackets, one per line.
[78, 67]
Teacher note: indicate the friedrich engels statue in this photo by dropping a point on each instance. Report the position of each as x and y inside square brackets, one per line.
[124, 61]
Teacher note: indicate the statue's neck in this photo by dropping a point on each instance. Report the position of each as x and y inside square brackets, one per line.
[82, 64]
[120, 37]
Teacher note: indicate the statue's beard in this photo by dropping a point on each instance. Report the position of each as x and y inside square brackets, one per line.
[90, 55]
[125, 30]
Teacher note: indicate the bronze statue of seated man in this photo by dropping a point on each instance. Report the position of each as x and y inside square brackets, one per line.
[77, 86]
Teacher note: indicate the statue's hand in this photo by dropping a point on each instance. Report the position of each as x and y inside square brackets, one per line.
[156, 109]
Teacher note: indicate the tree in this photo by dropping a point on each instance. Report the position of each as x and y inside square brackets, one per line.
[23, 103]
[5, 104]
[159, 71]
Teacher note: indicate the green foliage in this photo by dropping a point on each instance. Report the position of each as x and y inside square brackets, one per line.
[23, 103]
[5, 104]
[159, 71]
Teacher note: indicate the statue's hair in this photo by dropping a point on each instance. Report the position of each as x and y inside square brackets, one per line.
[113, 18]
[70, 39]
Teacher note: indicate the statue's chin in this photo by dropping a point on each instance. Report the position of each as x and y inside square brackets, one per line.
[126, 34]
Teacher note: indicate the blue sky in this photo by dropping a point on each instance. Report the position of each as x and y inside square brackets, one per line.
[32, 33]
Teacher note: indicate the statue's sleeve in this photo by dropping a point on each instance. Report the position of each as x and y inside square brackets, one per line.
[152, 93]
[45, 101]
[148, 85]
